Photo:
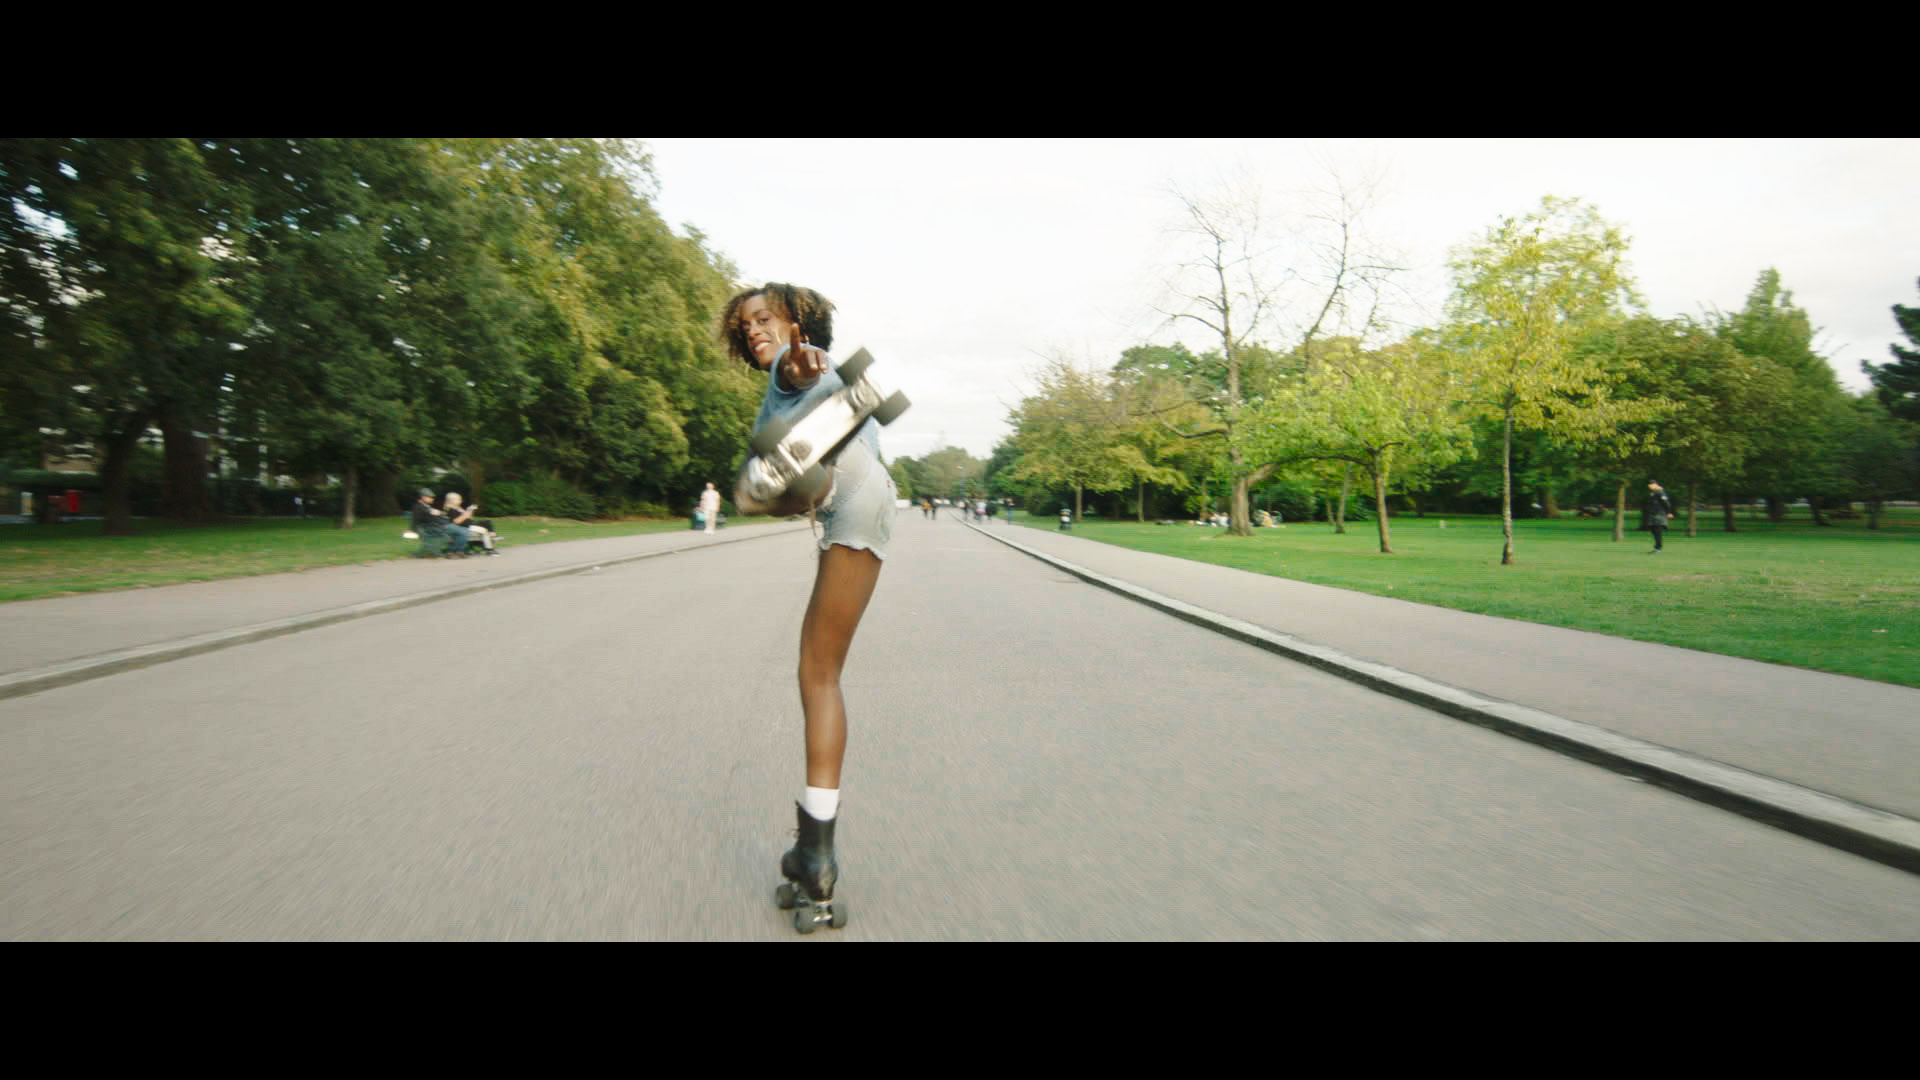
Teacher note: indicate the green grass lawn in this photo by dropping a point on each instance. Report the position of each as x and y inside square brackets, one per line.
[1843, 599]
[75, 557]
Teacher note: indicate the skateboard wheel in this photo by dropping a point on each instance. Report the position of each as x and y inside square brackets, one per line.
[839, 920]
[803, 920]
[767, 439]
[890, 409]
[856, 366]
[783, 897]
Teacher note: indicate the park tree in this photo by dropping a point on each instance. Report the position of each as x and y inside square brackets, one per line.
[948, 471]
[1797, 448]
[1718, 400]
[1153, 390]
[119, 300]
[1879, 457]
[902, 480]
[997, 475]
[1232, 286]
[618, 329]
[1070, 434]
[1523, 295]
[1898, 383]
[379, 318]
[1376, 410]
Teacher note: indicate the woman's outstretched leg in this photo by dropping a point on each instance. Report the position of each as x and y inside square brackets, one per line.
[841, 589]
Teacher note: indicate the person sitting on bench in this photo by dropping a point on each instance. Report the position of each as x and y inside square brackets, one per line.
[461, 520]
[431, 525]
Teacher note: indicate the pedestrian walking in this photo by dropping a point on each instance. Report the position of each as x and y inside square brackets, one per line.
[1658, 509]
[710, 506]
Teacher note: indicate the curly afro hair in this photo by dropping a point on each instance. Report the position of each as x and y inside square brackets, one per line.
[793, 303]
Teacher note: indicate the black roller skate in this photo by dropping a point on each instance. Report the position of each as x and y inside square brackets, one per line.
[811, 875]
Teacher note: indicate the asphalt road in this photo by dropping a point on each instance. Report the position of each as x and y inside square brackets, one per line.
[615, 755]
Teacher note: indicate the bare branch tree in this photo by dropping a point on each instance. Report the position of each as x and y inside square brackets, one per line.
[1235, 285]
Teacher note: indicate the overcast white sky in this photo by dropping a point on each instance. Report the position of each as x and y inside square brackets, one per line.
[960, 264]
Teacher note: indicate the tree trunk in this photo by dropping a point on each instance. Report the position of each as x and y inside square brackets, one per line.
[186, 466]
[1380, 503]
[1078, 492]
[1693, 506]
[116, 475]
[1620, 513]
[349, 486]
[1418, 510]
[1506, 492]
[1873, 513]
[1239, 519]
[1553, 502]
[1819, 518]
[1776, 508]
[379, 498]
[1140, 501]
[1727, 501]
[1346, 490]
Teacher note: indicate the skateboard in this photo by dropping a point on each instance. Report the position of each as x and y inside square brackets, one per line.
[787, 471]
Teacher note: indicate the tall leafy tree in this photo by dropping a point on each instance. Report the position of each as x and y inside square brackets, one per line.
[378, 316]
[1898, 383]
[117, 296]
[1070, 435]
[1522, 297]
[619, 333]
[1378, 410]
[1797, 447]
[1721, 407]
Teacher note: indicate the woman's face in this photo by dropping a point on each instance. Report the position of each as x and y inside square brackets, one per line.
[766, 331]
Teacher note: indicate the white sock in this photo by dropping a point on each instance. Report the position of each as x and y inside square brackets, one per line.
[821, 803]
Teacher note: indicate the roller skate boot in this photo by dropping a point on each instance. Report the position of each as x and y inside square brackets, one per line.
[811, 874]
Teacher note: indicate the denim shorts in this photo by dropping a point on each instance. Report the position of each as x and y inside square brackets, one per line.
[859, 512]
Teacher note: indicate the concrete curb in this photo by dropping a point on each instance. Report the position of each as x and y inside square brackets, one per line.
[66, 673]
[1863, 830]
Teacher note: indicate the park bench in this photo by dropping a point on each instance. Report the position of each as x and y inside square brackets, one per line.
[473, 543]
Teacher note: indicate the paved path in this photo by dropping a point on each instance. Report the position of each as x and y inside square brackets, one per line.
[1850, 737]
[614, 754]
[37, 633]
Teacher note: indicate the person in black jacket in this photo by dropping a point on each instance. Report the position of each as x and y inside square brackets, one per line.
[1658, 509]
[431, 524]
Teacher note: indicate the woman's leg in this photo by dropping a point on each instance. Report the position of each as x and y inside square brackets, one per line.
[841, 589]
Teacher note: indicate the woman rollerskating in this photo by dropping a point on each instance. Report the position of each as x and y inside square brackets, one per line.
[785, 330]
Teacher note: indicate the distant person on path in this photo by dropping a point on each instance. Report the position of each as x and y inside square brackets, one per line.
[710, 506]
[1658, 509]
[785, 331]
[431, 524]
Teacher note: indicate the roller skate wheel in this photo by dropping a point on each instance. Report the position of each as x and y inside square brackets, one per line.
[855, 366]
[839, 919]
[803, 919]
[890, 409]
[783, 897]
